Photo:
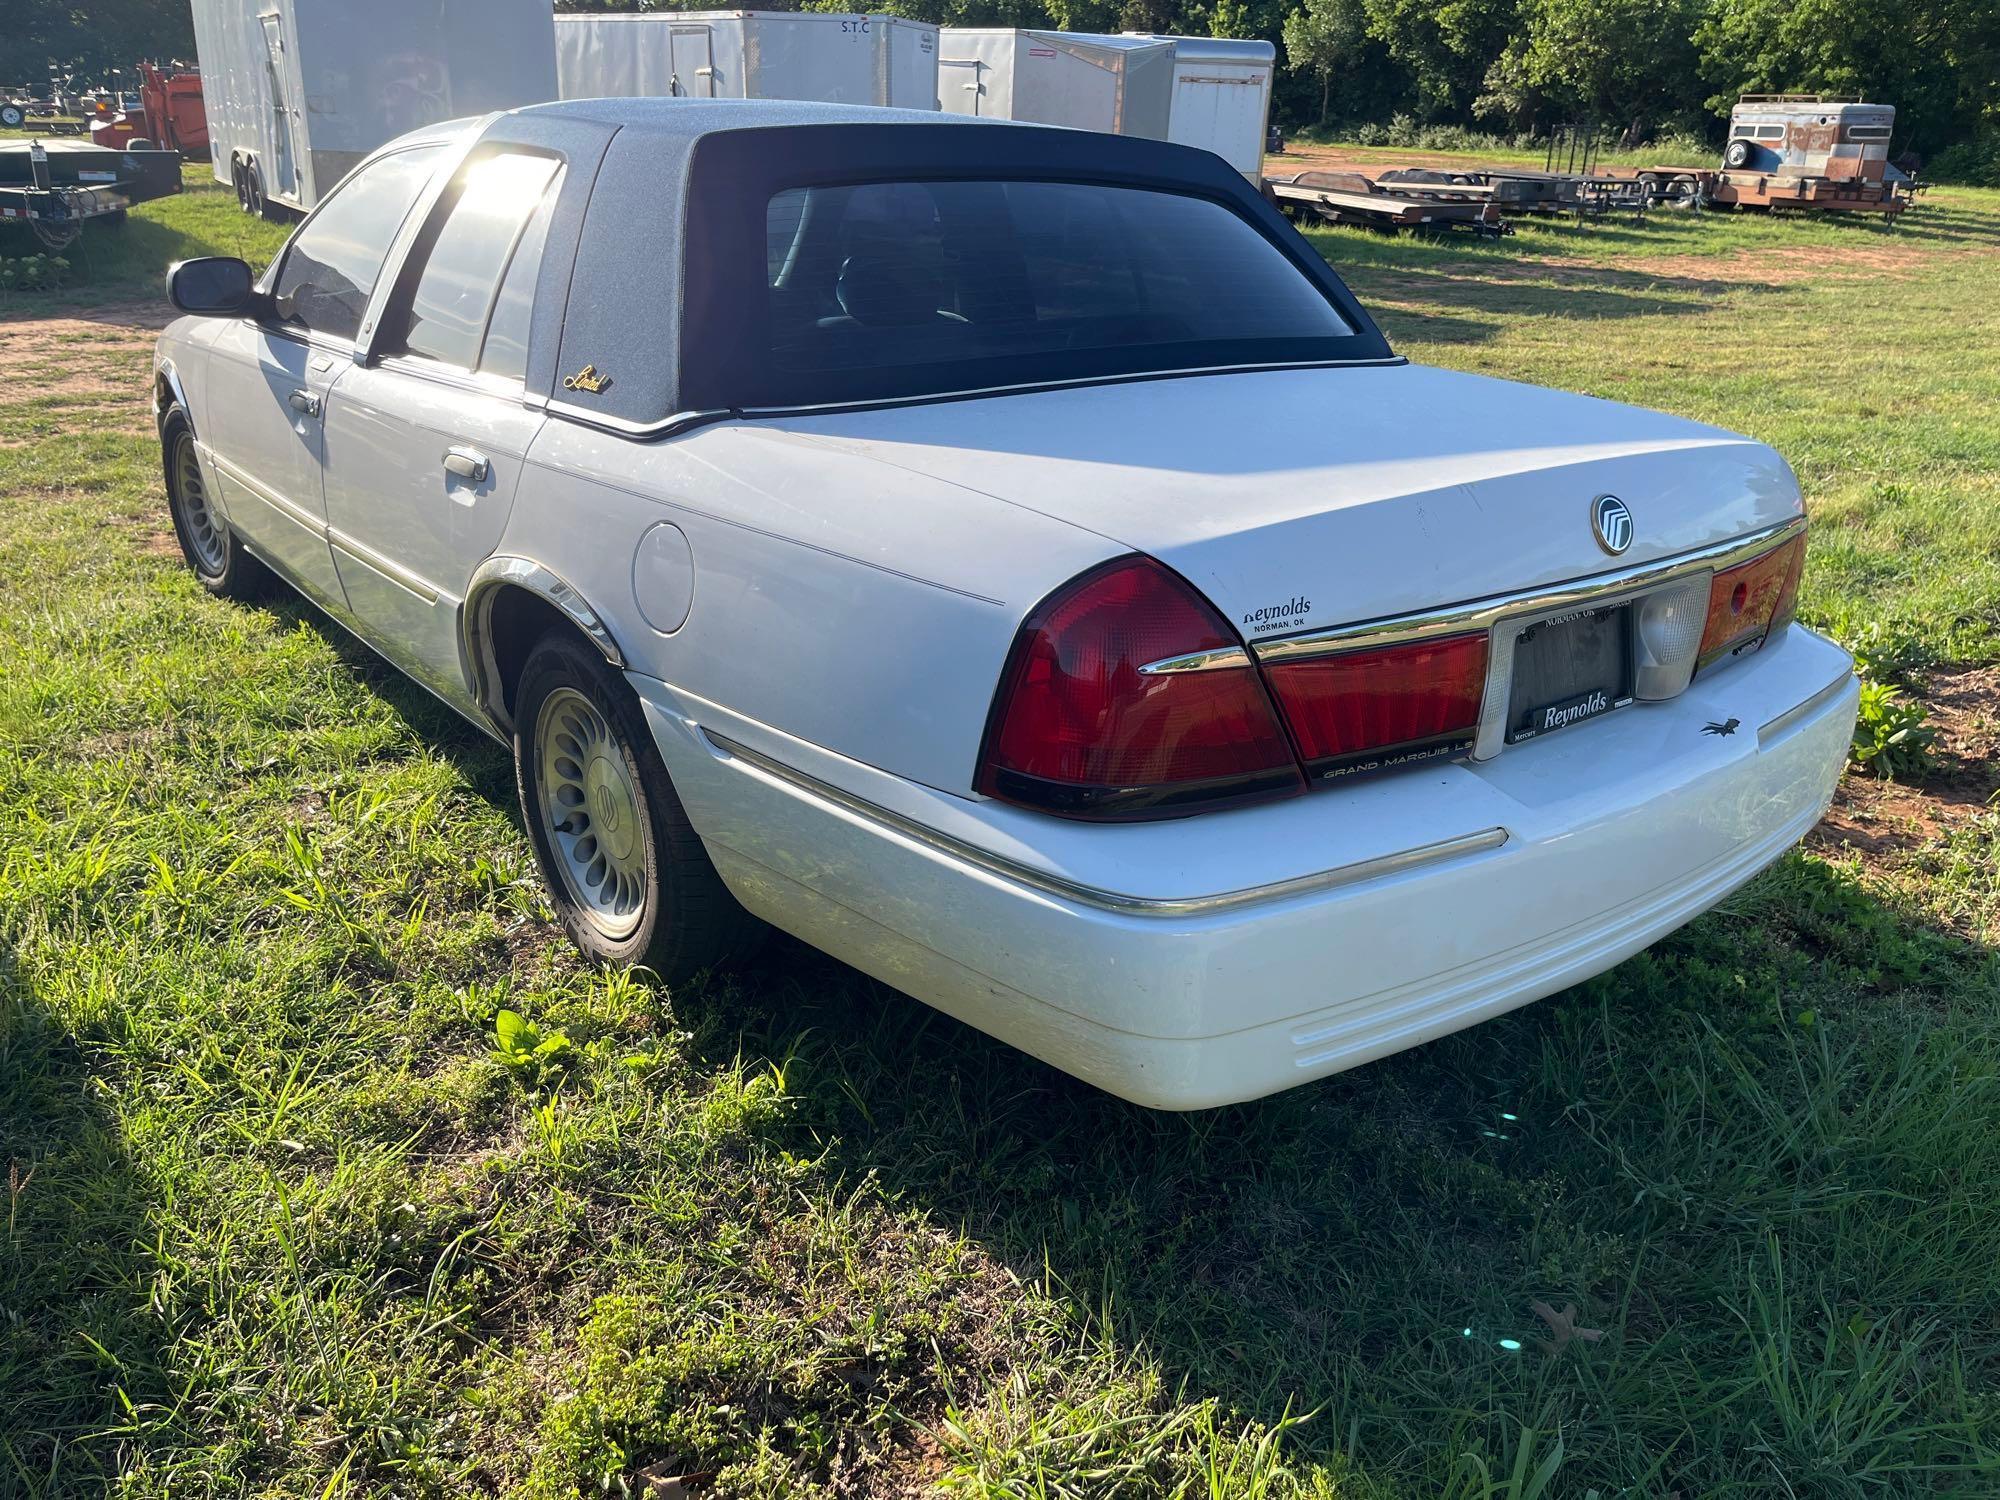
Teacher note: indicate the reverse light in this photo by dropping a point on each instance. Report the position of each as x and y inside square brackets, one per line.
[1080, 727]
[1750, 602]
[1391, 705]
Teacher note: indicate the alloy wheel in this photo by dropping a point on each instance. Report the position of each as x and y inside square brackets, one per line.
[204, 532]
[591, 812]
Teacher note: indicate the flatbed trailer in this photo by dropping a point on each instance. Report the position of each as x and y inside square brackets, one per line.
[54, 188]
[1351, 198]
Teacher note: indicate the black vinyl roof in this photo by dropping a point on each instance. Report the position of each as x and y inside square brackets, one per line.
[669, 235]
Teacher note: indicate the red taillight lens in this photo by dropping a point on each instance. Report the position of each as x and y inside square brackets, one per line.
[1078, 728]
[1749, 601]
[1364, 710]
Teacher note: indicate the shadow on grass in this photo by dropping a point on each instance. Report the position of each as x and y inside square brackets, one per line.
[1365, 1244]
[487, 766]
[80, 1350]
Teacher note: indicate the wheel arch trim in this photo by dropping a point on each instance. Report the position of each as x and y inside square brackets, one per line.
[489, 581]
[167, 380]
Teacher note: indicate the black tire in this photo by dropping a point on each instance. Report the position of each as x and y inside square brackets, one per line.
[686, 920]
[1736, 154]
[238, 181]
[13, 116]
[220, 561]
[140, 143]
[253, 189]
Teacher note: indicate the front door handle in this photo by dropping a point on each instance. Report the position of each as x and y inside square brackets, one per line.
[304, 402]
[467, 463]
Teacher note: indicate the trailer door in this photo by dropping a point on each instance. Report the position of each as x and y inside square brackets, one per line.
[1219, 106]
[282, 178]
[694, 67]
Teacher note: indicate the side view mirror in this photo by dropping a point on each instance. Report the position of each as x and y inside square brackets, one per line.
[218, 285]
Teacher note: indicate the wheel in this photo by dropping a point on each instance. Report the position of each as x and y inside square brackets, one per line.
[253, 189]
[13, 116]
[140, 143]
[219, 560]
[1649, 186]
[1736, 154]
[239, 180]
[625, 869]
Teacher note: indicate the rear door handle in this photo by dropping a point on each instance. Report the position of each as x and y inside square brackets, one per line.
[467, 463]
[304, 402]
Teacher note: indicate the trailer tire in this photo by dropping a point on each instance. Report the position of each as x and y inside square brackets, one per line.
[253, 190]
[236, 181]
[1736, 154]
[219, 560]
[13, 116]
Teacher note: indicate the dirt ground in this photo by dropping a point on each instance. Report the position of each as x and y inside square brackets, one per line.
[1883, 820]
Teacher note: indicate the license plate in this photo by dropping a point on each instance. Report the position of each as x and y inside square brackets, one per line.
[1570, 668]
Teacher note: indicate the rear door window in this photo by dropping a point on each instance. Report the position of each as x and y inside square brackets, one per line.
[468, 263]
[331, 266]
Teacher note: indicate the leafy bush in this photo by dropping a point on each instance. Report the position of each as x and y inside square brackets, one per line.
[1891, 653]
[1893, 735]
[1973, 163]
[32, 273]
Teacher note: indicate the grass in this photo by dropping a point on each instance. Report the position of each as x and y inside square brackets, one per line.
[282, 1220]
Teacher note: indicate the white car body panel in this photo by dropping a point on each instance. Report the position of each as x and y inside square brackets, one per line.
[815, 609]
[1184, 1011]
[1359, 490]
[263, 453]
[405, 534]
[863, 607]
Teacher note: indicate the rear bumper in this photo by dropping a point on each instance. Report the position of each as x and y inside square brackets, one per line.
[1220, 958]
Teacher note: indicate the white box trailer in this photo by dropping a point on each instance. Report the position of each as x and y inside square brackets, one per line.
[1222, 97]
[749, 54]
[298, 91]
[1122, 85]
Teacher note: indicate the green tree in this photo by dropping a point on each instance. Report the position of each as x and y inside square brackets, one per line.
[89, 40]
[1631, 62]
[1324, 38]
[1443, 49]
[1937, 61]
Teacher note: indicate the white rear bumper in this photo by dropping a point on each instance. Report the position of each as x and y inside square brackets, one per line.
[1219, 958]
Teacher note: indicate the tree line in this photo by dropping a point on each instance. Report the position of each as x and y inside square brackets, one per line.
[1635, 67]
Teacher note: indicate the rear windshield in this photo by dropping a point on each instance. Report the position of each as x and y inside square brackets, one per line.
[986, 276]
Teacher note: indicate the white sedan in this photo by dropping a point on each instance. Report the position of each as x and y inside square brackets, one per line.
[1010, 560]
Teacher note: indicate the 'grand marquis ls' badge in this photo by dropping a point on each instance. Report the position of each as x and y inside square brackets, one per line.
[587, 379]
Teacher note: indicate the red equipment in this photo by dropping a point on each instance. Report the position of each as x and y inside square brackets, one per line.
[170, 115]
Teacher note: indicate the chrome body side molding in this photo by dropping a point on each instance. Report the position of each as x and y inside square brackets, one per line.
[1087, 895]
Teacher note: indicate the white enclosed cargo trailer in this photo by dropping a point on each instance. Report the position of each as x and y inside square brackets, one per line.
[298, 91]
[749, 54]
[1222, 97]
[1122, 85]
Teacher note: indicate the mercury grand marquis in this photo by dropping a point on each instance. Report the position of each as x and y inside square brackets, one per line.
[1011, 560]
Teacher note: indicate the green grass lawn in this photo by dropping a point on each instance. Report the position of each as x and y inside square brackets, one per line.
[278, 1222]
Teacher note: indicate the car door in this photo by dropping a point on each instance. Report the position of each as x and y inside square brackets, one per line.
[424, 446]
[268, 380]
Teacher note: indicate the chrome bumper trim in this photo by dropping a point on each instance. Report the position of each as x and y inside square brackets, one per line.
[1482, 614]
[1017, 873]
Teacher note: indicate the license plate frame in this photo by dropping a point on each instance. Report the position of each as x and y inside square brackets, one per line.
[1569, 668]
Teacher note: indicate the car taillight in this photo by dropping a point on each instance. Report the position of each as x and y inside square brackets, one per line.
[1080, 727]
[1366, 710]
[1750, 601]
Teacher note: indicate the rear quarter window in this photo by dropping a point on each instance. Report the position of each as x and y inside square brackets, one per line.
[462, 273]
